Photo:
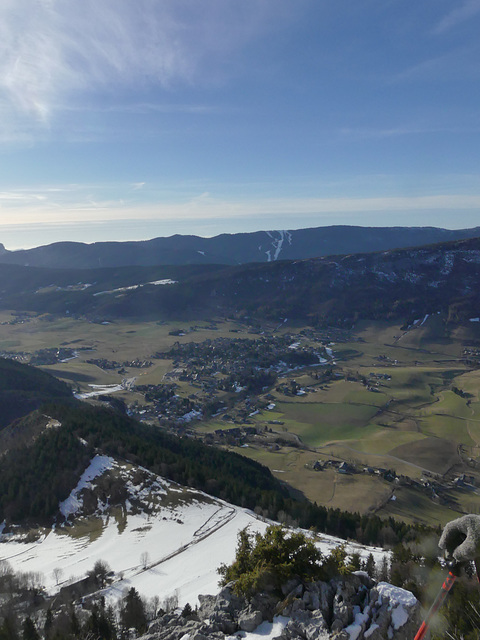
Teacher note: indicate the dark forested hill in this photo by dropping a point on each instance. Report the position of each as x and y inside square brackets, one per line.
[232, 249]
[24, 388]
[392, 284]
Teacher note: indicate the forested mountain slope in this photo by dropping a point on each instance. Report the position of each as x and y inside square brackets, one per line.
[23, 389]
[335, 289]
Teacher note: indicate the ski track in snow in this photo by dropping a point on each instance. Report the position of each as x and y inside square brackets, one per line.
[277, 243]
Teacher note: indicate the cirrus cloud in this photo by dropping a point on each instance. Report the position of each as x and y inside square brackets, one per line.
[56, 54]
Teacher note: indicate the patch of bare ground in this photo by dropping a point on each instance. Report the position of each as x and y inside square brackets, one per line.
[435, 454]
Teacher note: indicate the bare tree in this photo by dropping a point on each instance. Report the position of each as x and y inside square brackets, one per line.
[145, 559]
[7, 576]
[57, 574]
[170, 603]
[153, 606]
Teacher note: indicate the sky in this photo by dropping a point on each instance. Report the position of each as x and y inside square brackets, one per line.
[124, 120]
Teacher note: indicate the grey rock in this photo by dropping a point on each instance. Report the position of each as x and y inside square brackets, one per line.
[266, 603]
[290, 585]
[379, 623]
[207, 605]
[364, 578]
[342, 610]
[337, 625]
[249, 620]
[295, 627]
[292, 606]
[223, 621]
[317, 627]
[221, 610]
[314, 603]
[390, 619]
[349, 593]
[308, 626]
[326, 595]
[317, 611]
[298, 605]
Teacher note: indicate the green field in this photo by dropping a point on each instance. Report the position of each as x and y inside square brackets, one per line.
[360, 493]
[411, 506]
[320, 423]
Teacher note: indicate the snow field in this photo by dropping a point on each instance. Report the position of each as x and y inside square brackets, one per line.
[184, 544]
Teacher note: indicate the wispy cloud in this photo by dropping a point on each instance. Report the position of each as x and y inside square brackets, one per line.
[52, 52]
[393, 132]
[145, 108]
[463, 11]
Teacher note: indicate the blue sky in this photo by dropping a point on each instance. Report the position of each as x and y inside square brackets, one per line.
[129, 120]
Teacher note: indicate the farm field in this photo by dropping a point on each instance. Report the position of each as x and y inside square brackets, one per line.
[352, 493]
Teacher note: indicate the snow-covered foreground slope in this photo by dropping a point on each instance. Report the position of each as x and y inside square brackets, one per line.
[166, 540]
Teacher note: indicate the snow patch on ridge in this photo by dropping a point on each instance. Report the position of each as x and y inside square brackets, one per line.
[137, 286]
[396, 595]
[265, 631]
[97, 466]
[99, 390]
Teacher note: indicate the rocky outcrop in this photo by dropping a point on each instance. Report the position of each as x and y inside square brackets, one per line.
[347, 608]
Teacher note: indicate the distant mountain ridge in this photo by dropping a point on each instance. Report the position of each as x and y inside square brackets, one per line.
[232, 249]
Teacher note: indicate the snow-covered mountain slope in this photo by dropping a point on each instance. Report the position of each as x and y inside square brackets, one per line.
[161, 538]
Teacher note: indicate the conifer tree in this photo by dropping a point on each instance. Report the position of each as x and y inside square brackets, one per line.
[29, 631]
[370, 567]
[132, 613]
[47, 629]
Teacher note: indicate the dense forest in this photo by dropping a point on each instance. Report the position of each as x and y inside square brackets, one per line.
[24, 388]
